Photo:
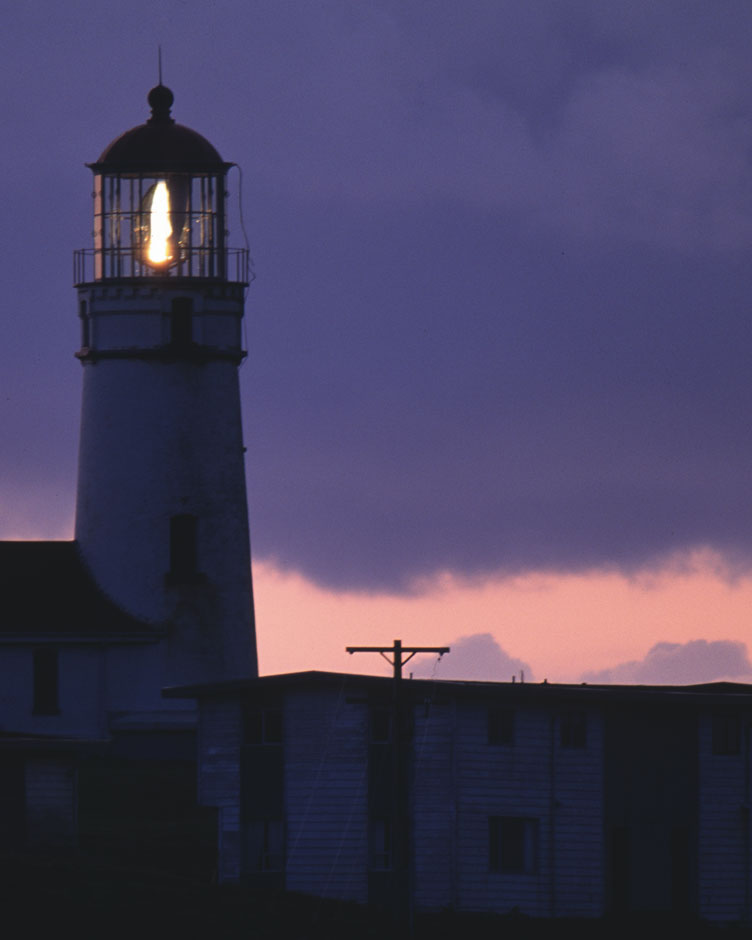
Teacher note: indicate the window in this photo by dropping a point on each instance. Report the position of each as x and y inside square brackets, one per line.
[513, 844]
[265, 845]
[46, 682]
[727, 734]
[380, 844]
[263, 726]
[573, 728]
[500, 725]
[181, 322]
[183, 548]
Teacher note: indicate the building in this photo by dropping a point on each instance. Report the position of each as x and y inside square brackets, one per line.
[155, 589]
[557, 801]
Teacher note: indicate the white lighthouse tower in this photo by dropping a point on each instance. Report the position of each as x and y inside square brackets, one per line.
[161, 515]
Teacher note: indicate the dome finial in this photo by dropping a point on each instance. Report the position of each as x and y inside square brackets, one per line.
[160, 100]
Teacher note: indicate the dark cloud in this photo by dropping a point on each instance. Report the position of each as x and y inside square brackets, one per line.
[479, 657]
[681, 664]
[479, 402]
[501, 318]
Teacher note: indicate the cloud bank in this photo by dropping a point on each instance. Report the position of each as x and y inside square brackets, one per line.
[681, 664]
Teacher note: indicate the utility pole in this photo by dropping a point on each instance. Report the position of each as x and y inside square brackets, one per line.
[401, 724]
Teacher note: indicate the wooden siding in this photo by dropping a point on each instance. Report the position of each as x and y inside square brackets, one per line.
[639, 815]
[501, 780]
[534, 778]
[326, 779]
[578, 813]
[434, 807]
[219, 740]
[724, 861]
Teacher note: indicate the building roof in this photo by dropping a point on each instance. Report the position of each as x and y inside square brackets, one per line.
[160, 145]
[712, 693]
[47, 591]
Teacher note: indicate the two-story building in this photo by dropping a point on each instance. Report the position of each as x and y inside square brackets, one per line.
[558, 801]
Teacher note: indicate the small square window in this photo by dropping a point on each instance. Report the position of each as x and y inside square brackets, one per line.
[263, 725]
[513, 844]
[500, 725]
[573, 730]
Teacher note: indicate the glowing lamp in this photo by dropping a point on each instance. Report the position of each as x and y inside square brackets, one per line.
[164, 225]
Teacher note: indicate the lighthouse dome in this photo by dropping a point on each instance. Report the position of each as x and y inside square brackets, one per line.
[160, 145]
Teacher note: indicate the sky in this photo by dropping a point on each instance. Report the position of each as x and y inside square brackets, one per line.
[498, 388]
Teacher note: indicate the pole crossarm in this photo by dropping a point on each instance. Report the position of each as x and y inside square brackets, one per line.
[397, 649]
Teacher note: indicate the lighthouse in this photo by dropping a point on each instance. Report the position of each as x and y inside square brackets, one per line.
[161, 509]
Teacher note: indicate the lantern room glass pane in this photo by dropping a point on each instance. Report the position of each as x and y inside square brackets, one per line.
[166, 225]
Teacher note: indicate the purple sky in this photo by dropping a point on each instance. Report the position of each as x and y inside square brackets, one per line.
[501, 320]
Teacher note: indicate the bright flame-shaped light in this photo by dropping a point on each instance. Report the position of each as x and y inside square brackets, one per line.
[160, 229]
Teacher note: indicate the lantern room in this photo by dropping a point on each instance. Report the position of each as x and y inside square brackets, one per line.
[159, 206]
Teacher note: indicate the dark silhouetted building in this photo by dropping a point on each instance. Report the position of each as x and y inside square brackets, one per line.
[557, 801]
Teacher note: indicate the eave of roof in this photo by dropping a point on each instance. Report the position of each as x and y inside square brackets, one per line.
[49, 594]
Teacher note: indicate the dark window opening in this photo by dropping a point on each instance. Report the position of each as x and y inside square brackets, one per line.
[727, 734]
[183, 548]
[46, 682]
[380, 844]
[573, 730]
[265, 845]
[513, 844]
[181, 322]
[263, 726]
[500, 725]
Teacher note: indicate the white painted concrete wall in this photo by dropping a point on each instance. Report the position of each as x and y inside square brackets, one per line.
[160, 438]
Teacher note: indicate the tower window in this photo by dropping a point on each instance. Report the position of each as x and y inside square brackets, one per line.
[46, 681]
[183, 548]
[85, 337]
[181, 322]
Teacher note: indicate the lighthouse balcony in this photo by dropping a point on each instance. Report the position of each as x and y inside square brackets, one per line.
[93, 265]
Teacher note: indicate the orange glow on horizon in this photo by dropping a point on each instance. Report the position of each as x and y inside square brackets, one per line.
[561, 624]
